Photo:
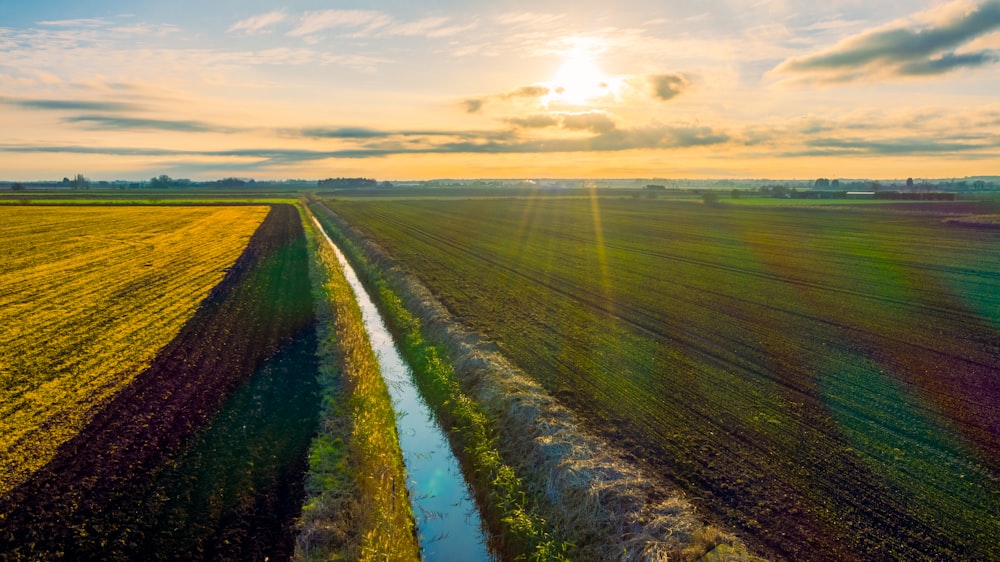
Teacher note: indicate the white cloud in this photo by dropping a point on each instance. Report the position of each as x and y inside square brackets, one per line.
[452, 30]
[259, 23]
[47, 78]
[528, 18]
[418, 27]
[368, 23]
[315, 22]
[81, 22]
[145, 29]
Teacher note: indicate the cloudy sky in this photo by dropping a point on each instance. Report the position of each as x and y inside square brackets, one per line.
[506, 88]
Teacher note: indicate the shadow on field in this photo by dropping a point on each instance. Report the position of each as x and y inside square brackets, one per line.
[202, 456]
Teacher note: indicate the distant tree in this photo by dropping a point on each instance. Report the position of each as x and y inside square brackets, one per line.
[736, 193]
[17, 186]
[822, 183]
[231, 182]
[79, 181]
[710, 198]
[777, 190]
[909, 183]
[162, 182]
[835, 184]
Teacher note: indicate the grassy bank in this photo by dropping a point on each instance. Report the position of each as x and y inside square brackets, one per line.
[357, 506]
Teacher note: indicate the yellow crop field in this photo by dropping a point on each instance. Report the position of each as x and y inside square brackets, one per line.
[88, 295]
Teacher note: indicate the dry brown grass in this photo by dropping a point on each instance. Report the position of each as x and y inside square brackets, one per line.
[989, 221]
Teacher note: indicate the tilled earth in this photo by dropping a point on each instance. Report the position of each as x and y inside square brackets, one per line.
[202, 456]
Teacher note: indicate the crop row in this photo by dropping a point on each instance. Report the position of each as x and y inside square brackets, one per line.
[201, 454]
[87, 298]
[825, 379]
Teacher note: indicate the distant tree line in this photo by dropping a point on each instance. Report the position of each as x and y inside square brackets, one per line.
[909, 185]
[232, 182]
[916, 195]
[347, 183]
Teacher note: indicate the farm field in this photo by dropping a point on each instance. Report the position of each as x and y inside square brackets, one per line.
[822, 379]
[188, 439]
[87, 298]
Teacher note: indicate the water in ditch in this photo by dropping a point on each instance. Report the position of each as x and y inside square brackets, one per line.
[448, 523]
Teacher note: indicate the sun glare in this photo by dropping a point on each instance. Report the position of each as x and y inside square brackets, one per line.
[579, 80]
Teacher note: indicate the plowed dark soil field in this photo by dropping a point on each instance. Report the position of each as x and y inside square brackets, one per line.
[826, 381]
[202, 455]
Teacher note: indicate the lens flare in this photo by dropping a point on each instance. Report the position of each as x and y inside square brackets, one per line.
[579, 81]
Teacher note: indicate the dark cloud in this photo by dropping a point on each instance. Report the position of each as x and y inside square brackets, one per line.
[948, 62]
[904, 51]
[489, 142]
[344, 133]
[473, 105]
[613, 140]
[537, 121]
[668, 86]
[595, 121]
[661, 136]
[104, 122]
[69, 105]
[107, 151]
[901, 146]
[527, 92]
[268, 156]
[389, 136]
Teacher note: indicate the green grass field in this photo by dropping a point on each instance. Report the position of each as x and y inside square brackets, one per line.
[823, 378]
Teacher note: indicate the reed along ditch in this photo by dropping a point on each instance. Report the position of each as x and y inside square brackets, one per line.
[449, 526]
[202, 456]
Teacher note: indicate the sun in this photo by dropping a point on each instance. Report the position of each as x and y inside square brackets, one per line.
[579, 80]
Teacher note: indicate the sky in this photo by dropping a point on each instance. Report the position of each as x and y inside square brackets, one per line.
[397, 90]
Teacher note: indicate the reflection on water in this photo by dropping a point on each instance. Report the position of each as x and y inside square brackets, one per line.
[448, 523]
